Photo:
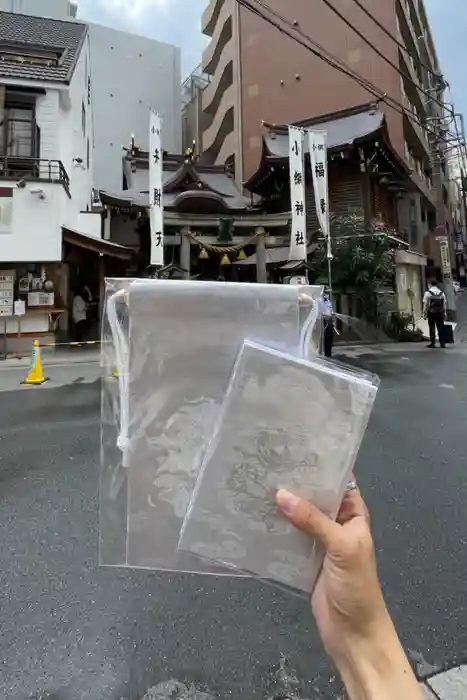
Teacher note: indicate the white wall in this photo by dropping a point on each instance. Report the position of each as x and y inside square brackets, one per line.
[73, 137]
[90, 223]
[35, 233]
[131, 74]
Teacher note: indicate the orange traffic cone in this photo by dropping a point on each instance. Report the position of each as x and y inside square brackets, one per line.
[35, 373]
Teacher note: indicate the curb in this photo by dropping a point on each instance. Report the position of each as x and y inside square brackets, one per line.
[447, 685]
[50, 360]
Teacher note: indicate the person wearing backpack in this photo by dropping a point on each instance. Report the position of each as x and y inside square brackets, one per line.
[434, 310]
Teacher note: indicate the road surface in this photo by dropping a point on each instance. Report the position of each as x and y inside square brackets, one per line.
[71, 630]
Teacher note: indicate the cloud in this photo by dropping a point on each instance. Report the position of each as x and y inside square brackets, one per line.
[134, 8]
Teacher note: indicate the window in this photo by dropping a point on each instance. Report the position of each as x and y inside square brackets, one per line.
[19, 135]
[30, 55]
[18, 130]
[83, 118]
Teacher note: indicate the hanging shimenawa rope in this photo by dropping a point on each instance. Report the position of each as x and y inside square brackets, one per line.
[222, 249]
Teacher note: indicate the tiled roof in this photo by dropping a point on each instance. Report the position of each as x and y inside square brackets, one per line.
[341, 131]
[26, 32]
[214, 178]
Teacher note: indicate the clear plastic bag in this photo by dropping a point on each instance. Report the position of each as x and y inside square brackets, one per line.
[174, 344]
[285, 423]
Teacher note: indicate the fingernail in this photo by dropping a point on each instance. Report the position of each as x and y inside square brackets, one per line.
[287, 502]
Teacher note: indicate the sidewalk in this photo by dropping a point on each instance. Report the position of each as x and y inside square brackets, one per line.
[451, 685]
[86, 355]
[56, 357]
[392, 349]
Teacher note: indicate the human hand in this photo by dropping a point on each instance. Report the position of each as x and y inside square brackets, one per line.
[352, 618]
[347, 601]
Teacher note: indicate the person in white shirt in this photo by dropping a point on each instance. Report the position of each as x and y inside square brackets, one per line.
[80, 317]
[434, 310]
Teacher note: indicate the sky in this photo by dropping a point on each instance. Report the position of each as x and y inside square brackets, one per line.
[178, 22]
[174, 21]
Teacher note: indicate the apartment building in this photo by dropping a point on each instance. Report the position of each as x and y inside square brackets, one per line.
[129, 75]
[259, 74]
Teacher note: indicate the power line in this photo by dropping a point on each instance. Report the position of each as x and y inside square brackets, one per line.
[394, 39]
[334, 62]
[324, 55]
[379, 53]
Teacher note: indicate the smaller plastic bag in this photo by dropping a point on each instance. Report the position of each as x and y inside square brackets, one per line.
[285, 423]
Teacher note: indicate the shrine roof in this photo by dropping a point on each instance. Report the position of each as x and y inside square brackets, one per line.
[341, 131]
[344, 129]
[188, 186]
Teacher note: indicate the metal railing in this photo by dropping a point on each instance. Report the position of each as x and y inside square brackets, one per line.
[27, 168]
[197, 80]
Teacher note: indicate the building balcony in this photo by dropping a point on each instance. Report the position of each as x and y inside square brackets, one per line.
[421, 28]
[417, 20]
[221, 81]
[221, 37]
[228, 149]
[406, 31]
[210, 16]
[24, 169]
[420, 178]
[412, 83]
[222, 125]
[412, 119]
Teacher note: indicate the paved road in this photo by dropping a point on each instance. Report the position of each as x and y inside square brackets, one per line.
[76, 631]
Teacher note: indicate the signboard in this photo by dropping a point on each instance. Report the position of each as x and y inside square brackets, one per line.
[7, 288]
[156, 206]
[298, 279]
[317, 143]
[20, 307]
[6, 214]
[41, 299]
[445, 257]
[298, 241]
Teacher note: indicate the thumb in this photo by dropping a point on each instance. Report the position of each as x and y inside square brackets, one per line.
[307, 518]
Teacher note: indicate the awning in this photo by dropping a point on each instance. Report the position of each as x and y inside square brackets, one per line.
[96, 245]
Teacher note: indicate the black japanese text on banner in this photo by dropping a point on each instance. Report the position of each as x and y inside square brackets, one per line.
[156, 206]
[298, 242]
[317, 144]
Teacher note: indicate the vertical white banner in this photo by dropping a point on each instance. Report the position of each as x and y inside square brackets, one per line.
[298, 242]
[156, 205]
[317, 145]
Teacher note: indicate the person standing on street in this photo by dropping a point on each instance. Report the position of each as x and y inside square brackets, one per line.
[434, 310]
[80, 317]
[326, 314]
